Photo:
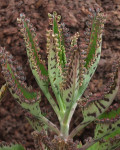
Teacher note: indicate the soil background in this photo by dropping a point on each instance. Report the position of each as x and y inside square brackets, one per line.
[13, 125]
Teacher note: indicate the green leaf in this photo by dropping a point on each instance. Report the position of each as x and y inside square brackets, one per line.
[36, 124]
[36, 63]
[93, 52]
[94, 146]
[24, 90]
[71, 80]
[95, 108]
[58, 32]
[95, 38]
[12, 147]
[112, 112]
[110, 144]
[15, 77]
[112, 140]
[54, 70]
[106, 127]
[26, 97]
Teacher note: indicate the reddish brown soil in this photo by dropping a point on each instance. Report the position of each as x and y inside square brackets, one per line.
[13, 125]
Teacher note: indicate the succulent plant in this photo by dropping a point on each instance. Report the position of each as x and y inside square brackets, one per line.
[72, 61]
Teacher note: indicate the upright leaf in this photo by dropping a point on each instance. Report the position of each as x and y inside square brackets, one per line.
[95, 107]
[36, 63]
[93, 51]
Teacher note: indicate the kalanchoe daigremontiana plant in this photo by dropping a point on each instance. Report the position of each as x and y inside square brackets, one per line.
[72, 62]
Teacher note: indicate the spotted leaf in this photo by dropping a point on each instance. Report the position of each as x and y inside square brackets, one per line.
[11, 147]
[36, 63]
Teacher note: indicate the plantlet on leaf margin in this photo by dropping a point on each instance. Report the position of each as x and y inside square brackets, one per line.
[71, 64]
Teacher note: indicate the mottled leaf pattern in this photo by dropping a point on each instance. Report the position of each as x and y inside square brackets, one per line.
[36, 63]
[71, 85]
[72, 62]
[54, 68]
[15, 80]
[110, 144]
[93, 52]
[11, 147]
[95, 107]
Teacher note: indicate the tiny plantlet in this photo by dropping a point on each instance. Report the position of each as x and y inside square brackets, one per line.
[72, 61]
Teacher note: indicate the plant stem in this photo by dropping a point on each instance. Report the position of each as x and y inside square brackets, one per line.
[53, 104]
[61, 105]
[68, 115]
[49, 124]
[64, 130]
[78, 128]
[66, 122]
